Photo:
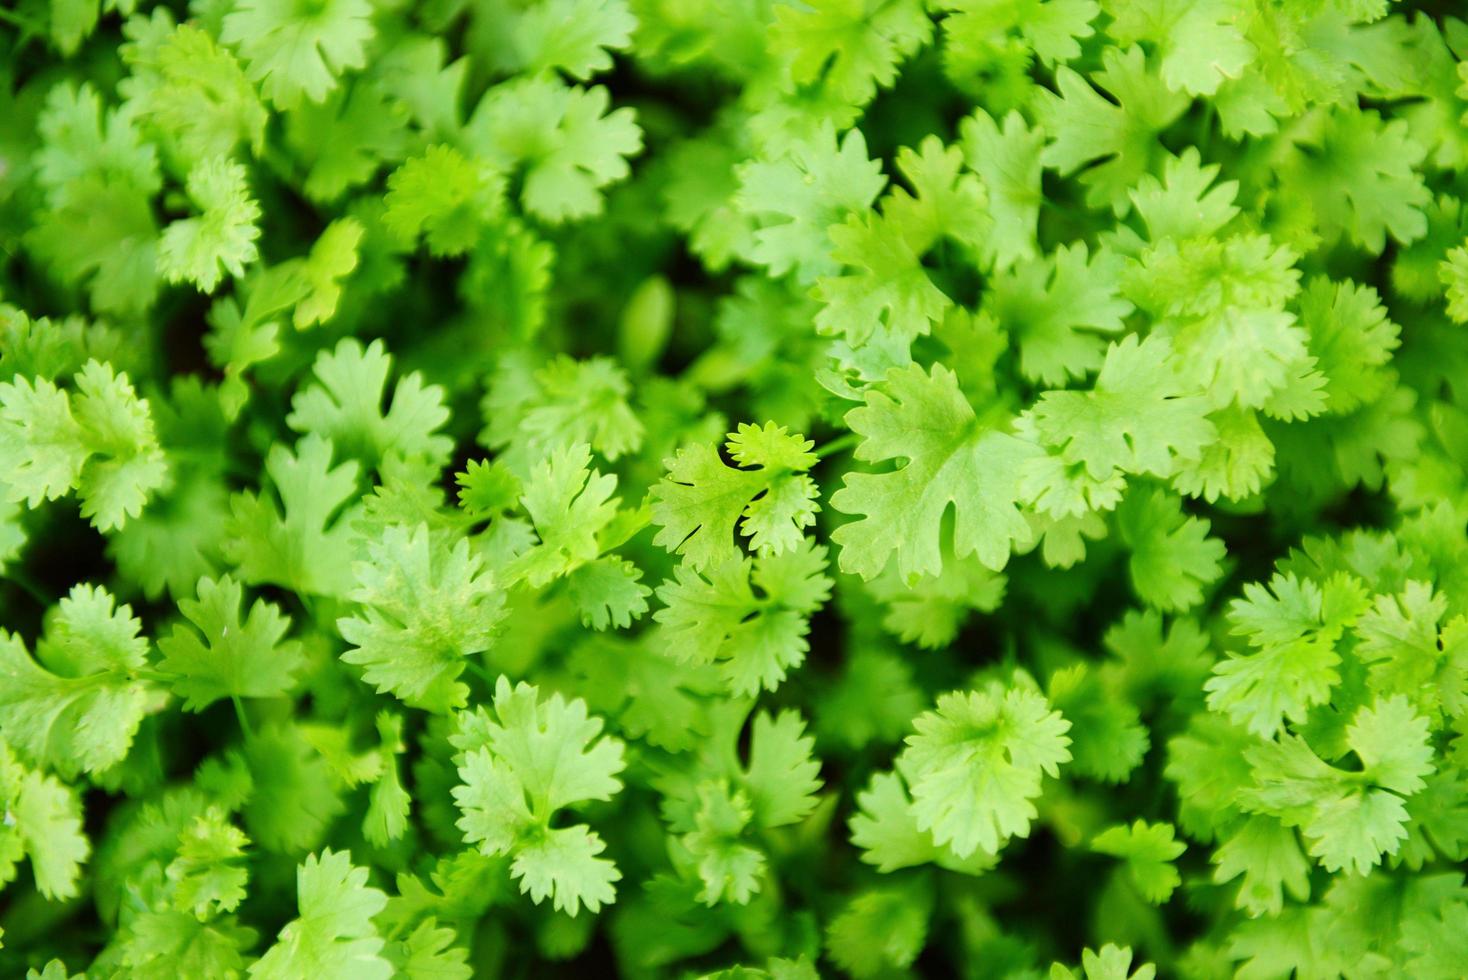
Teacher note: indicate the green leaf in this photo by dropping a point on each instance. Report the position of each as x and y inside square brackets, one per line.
[952, 459]
[345, 406]
[1148, 850]
[444, 197]
[207, 875]
[44, 823]
[748, 617]
[881, 929]
[849, 47]
[78, 708]
[304, 542]
[427, 604]
[608, 592]
[768, 495]
[522, 764]
[801, 194]
[1294, 667]
[1085, 127]
[1139, 417]
[571, 504]
[575, 36]
[224, 657]
[1349, 819]
[1007, 159]
[222, 238]
[1267, 854]
[976, 762]
[334, 934]
[560, 139]
[194, 92]
[1173, 558]
[299, 52]
[1059, 309]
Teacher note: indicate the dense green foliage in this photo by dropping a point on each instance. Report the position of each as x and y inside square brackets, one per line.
[739, 488]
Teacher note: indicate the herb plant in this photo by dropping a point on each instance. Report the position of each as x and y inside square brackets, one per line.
[733, 488]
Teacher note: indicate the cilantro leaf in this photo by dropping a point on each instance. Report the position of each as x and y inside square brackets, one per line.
[334, 934]
[748, 617]
[304, 542]
[427, 603]
[222, 238]
[296, 51]
[77, 708]
[522, 764]
[1293, 627]
[975, 764]
[224, 657]
[1139, 418]
[345, 406]
[560, 138]
[798, 196]
[1148, 850]
[768, 496]
[952, 459]
[44, 823]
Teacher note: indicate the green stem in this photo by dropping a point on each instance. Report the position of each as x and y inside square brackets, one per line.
[481, 673]
[837, 445]
[29, 586]
[239, 712]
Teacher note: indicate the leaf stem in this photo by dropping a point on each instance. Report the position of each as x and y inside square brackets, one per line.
[837, 445]
[244, 719]
[29, 586]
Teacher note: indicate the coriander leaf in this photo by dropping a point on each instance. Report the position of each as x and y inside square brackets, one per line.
[1349, 819]
[44, 823]
[444, 196]
[78, 708]
[768, 495]
[608, 592]
[782, 776]
[1173, 558]
[1148, 850]
[303, 548]
[1139, 418]
[1007, 159]
[575, 36]
[570, 504]
[952, 459]
[194, 93]
[427, 604]
[333, 257]
[222, 238]
[224, 657]
[345, 406]
[1058, 309]
[523, 763]
[798, 196]
[532, 412]
[298, 50]
[334, 934]
[1293, 627]
[1267, 854]
[887, 832]
[747, 617]
[975, 764]
[851, 47]
[1084, 127]
[882, 928]
[560, 138]
[730, 869]
[207, 875]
